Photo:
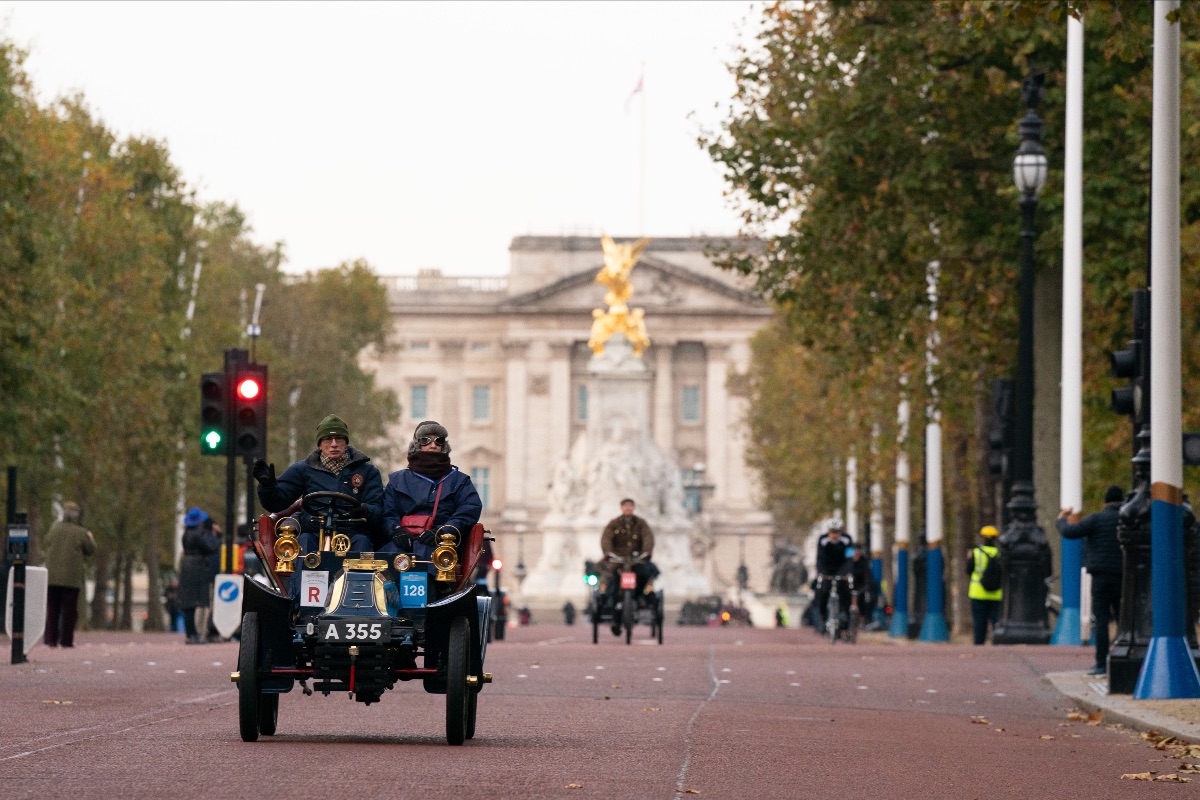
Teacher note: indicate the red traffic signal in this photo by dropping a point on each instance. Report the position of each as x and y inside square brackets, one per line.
[497, 564]
[249, 388]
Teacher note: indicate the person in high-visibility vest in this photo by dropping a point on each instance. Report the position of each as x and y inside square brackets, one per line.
[985, 605]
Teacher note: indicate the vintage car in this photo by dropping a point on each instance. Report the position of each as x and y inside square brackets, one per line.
[360, 622]
[627, 606]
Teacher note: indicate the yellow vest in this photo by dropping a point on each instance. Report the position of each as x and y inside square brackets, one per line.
[976, 591]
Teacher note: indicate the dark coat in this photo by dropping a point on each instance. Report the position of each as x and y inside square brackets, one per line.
[830, 554]
[408, 493]
[1101, 550]
[308, 476]
[196, 572]
[626, 536]
[64, 547]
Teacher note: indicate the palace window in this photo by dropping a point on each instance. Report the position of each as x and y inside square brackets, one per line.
[418, 401]
[482, 478]
[481, 403]
[689, 404]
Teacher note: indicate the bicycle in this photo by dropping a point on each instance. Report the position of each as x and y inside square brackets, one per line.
[833, 627]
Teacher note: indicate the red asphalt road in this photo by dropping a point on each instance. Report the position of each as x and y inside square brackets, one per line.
[727, 712]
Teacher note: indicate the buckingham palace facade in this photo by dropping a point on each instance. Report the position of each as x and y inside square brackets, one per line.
[502, 363]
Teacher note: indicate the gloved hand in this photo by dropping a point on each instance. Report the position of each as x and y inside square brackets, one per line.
[402, 539]
[263, 472]
[427, 538]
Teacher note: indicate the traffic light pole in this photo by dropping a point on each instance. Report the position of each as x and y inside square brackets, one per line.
[233, 359]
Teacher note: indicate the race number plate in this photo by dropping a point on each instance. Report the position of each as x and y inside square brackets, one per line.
[375, 631]
[628, 580]
[414, 589]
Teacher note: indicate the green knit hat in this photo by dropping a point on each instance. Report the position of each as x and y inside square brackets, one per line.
[332, 426]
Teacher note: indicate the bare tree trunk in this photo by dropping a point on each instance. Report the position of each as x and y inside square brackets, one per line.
[126, 619]
[985, 491]
[99, 613]
[956, 552]
[154, 605]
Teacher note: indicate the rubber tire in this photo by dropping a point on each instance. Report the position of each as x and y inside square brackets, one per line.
[268, 713]
[248, 695]
[658, 618]
[596, 628]
[472, 711]
[831, 625]
[627, 615]
[457, 654]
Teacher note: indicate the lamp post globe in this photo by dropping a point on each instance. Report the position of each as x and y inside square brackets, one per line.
[1024, 549]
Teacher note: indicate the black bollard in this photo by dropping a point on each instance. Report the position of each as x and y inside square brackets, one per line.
[1025, 555]
[18, 551]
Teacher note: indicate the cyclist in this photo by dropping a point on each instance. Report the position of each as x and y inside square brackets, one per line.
[832, 549]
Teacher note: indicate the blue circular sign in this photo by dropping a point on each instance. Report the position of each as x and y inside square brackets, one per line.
[228, 591]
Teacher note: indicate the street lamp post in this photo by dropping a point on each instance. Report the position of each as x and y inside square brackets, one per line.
[1024, 550]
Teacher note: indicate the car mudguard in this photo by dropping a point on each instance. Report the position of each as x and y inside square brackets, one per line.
[275, 631]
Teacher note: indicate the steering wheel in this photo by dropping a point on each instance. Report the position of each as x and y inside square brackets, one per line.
[336, 505]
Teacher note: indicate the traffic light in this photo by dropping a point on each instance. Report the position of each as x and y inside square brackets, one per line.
[214, 414]
[250, 411]
[591, 575]
[998, 428]
[497, 564]
[1133, 363]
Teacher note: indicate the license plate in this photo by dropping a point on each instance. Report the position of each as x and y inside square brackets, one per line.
[374, 631]
[628, 580]
[414, 589]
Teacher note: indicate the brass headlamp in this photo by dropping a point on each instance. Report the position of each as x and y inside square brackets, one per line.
[445, 556]
[287, 546]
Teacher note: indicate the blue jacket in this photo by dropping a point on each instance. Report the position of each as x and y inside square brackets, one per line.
[409, 492]
[308, 476]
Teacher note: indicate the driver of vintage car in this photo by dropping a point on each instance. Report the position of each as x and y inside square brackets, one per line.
[334, 466]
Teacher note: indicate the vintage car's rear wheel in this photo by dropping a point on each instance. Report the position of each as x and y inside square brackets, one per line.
[248, 683]
[456, 681]
[268, 713]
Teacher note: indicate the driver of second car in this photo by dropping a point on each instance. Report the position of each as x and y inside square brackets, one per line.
[429, 480]
[334, 466]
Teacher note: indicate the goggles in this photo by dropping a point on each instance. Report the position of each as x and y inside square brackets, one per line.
[424, 441]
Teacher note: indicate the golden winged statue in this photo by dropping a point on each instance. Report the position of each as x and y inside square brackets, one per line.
[619, 260]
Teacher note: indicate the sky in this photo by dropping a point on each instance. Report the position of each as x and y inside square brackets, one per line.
[413, 135]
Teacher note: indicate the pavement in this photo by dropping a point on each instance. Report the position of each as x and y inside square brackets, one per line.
[1177, 718]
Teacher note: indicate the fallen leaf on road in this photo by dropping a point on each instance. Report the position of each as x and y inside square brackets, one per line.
[652, 708]
[616, 686]
[1138, 776]
[1074, 735]
[1045, 736]
[58, 702]
[687, 791]
[979, 721]
[1095, 718]
[1173, 778]
[1076, 716]
[1191, 768]
[998, 730]
[573, 786]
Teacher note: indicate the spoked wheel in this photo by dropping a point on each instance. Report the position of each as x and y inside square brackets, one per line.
[627, 615]
[852, 627]
[456, 681]
[472, 710]
[249, 706]
[268, 713]
[832, 624]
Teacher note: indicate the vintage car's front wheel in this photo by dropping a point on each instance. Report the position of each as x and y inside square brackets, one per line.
[472, 710]
[248, 683]
[268, 713]
[457, 655]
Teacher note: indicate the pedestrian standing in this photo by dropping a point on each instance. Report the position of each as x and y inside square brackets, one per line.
[195, 572]
[985, 603]
[1103, 560]
[65, 546]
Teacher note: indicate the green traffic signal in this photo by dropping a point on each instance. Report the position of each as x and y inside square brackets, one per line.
[212, 440]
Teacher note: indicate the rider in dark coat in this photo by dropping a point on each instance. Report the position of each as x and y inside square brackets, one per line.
[334, 466]
[831, 554]
[414, 491]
